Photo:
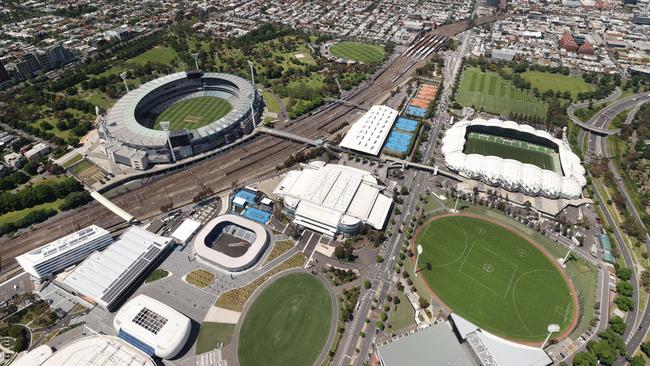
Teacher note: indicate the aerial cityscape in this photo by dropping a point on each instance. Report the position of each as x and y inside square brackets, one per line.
[325, 183]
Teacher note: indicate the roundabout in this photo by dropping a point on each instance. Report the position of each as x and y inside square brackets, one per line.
[496, 278]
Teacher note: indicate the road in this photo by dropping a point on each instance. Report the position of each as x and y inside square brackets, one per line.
[637, 321]
[382, 282]
[258, 158]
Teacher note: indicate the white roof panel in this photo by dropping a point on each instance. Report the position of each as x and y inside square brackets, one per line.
[367, 135]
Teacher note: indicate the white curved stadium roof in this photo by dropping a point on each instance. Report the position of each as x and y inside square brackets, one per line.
[154, 323]
[512, 174]
[121, 121]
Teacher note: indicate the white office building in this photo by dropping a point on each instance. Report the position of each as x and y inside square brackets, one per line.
[333, 199]
[104, 277]
[44, 261]
[367, 135]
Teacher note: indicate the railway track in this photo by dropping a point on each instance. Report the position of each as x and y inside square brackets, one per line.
[257, 158]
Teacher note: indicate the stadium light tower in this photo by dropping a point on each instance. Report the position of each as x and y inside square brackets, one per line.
[552, 328]
[165, 127]
[195, 56]
[420, 250]
[566, 257]
[126, 86]
[250, 64]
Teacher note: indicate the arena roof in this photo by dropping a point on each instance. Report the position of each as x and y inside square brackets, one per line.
[493, 350]
[99, 350]
[326, 197]
[223, 260]
[154, 323]
[436, 345]
[104, 276]
[512, 174]
[367, 135]
[121, 121]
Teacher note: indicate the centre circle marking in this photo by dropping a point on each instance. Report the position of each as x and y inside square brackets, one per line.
[487, 267]
[522, 252]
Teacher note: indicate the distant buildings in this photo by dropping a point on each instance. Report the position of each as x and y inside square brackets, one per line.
[39, 150]
[43, 60]
[576, 43]
[4, 75]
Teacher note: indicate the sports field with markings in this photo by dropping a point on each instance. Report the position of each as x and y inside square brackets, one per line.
[494, 277]
[356, 51]
[493, 94]
[525, 152]
[193, 113]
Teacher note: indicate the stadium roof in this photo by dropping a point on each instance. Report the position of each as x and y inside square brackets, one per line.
[154, 323]
[493, 350]
[104, 276]
[328, 196]
[513, 174]
[62, 245]
[121, 121]
[436, 345]
[367, 135]
[99, 350]
[204, 251]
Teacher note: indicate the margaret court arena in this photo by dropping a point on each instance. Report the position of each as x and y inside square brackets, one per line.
[126, 130]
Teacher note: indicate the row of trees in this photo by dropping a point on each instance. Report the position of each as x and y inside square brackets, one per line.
[38, 194]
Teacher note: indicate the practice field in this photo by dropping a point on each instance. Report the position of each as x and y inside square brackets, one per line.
[288, 324]
[525, 152]
[494, 278]
[557, 82]
[496, 95]
[356, 51]
[193, 113]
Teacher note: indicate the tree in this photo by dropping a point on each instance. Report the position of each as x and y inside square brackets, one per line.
[645, 348]
[624, 303]
[617, 324]
[624, 288]
[367, 284]
[584, 359]
[637, 360]
[624, 274]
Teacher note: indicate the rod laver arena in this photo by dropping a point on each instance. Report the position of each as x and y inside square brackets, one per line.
[178, 116]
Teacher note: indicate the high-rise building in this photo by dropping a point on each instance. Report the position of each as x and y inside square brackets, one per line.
[4, 75]
[43, 262]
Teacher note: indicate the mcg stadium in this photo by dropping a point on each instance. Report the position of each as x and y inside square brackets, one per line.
[515, 157]
[178, 116]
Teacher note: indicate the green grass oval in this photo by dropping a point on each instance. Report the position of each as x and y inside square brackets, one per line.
[494, 278]
[357, 51]
[288, 324]
[193, 113]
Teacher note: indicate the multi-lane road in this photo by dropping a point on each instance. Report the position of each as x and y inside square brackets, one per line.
[638, 320]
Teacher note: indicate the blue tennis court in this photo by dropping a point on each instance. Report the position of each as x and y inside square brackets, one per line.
[399, 141]
[416, 111]
[257, 215]
[246, 195]
[406, 124]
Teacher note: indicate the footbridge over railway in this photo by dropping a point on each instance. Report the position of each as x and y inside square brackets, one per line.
[430, 168]
[289, 136]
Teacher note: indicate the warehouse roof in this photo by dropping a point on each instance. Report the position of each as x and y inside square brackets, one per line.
[104, 276]
[98, 350]
[62, 245]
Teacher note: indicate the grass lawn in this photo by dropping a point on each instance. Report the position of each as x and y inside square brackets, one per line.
[493, 94]
[288, 323]
[356, 51]
[17, 215]
[279, 248]
[271, 104]
[522, 151]
[494, 278]
[403, 316]
[72, 160]
[193, 113]
[157, 274]
[199, 278]
[557, 82]
[162, 55]
[100, 100]
[212, 333]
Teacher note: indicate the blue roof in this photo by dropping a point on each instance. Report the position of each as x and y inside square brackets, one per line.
[399, 141]
[137, 343]
[248, 196]
[256, 215]
[416, 111]
[605, 243]
[406, 124]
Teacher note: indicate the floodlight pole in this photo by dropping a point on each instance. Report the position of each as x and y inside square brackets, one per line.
[250, 64]
[195, 56]
[126, 86]
[566, 257]
[455, 210]
[417, 258]
[552, 328]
